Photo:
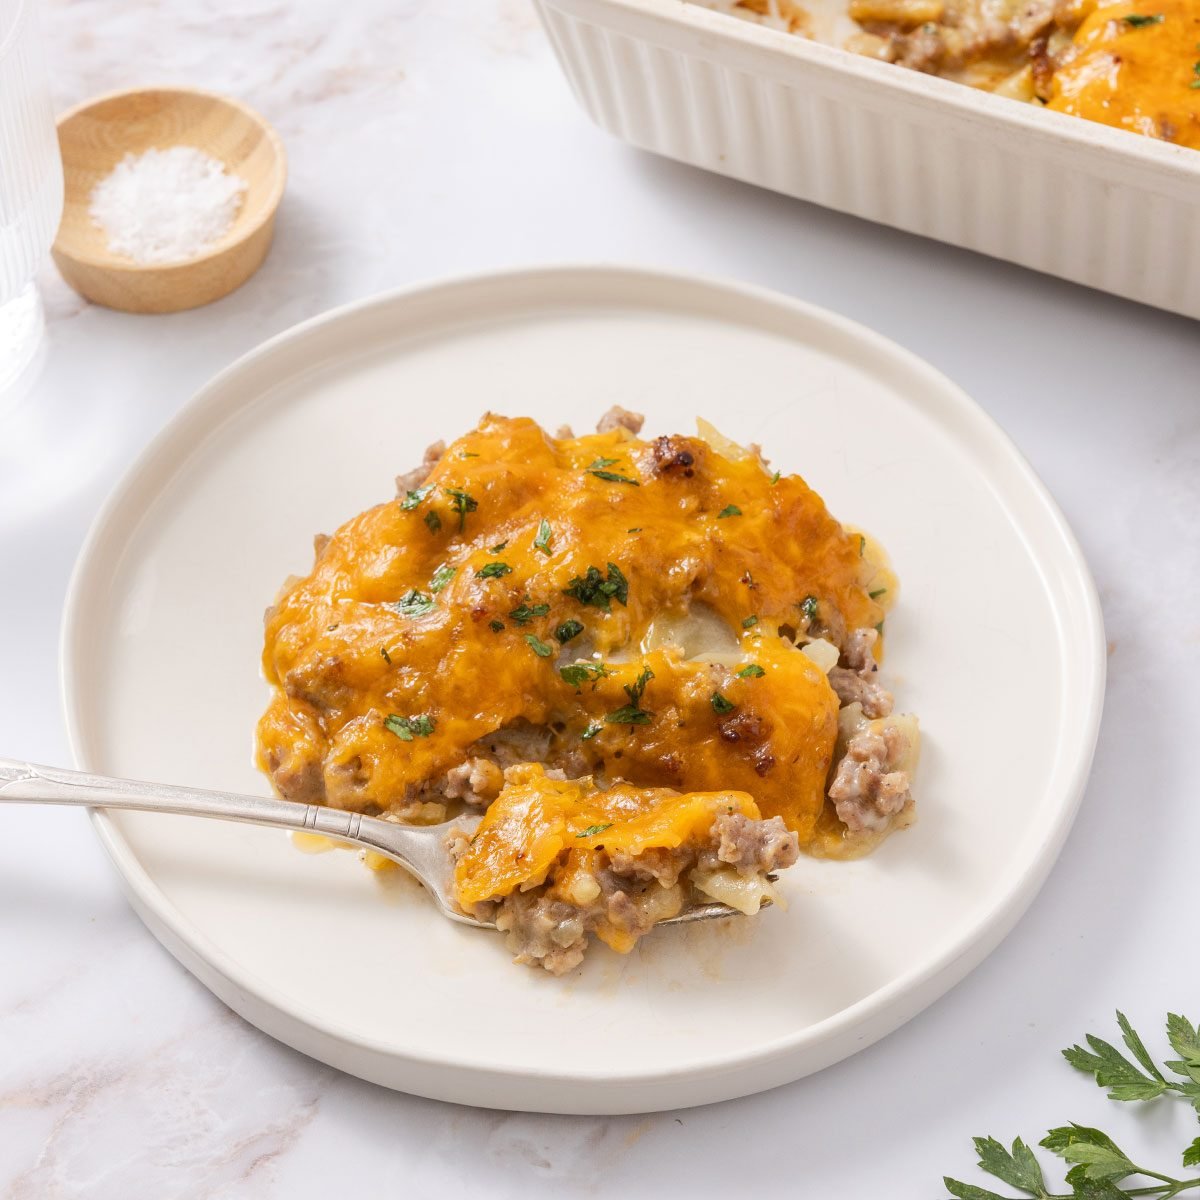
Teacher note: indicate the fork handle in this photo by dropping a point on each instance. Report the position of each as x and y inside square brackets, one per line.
[27, 783]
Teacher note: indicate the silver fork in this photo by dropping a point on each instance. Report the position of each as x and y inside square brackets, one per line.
[419, 849]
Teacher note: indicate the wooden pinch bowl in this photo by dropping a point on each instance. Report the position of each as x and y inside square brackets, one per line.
[96, 136]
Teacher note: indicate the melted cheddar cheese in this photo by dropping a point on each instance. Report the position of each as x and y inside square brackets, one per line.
[528, 583]
[535, 821]
[1136, 65]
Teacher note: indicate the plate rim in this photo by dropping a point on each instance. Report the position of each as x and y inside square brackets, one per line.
[442, 1076]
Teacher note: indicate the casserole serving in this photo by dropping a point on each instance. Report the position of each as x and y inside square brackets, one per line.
[1082, 201]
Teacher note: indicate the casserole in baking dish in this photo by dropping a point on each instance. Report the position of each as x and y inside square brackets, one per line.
[1080, 200]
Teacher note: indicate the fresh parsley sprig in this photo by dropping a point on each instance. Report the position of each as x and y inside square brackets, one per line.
[1098, 1166]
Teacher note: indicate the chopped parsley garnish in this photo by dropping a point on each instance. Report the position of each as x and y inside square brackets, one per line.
[720, 705]
[497, 547]
[730, 510]
[577, 674]
[775, 477]
[413, 499]
[544, 533]
[862, 545]
[493, 570]
[597, 590]
[592, 830]
[629, 715]
[441, 577]
[750, 622]
[540, 648]
[462, 503]
[635, 529]
[405, 728]
[633, 713]
[468, 454]
[413, 604]
[591, 731]
[876, 594]
[568, 630]
[496, 626]
[387, 658]
[602, 462]
[1137, 20]
[808, 606]
[524, 613]
[752, 671]
[613, 477]
[433, 520]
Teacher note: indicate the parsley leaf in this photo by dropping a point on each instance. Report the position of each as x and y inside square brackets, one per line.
[1017, 1166]
[413, 604]
[596, 464]
[613, 477]
[577, 674]
[524, 613]
[497, 547]
[730, 510]
[406, 727]
[544, 533]
[568, 630]
[493, 570]
[750, 622]
[633, 713]
[752, 671]
[638, 690]
[413, 499]
[387, 658]
[1185, 1040]
[1114, 1071]
[441, 577]
[462, 503]
[591, 731]
[774, 478]
[496, 626]
[1137, 20]
[592, 830]
[629, 715]
[808, 606]
[433, 521]
[968, 1191]
[540, 648]
[597, 590]
[1100, 1157]
[720, 705]
[877, 593]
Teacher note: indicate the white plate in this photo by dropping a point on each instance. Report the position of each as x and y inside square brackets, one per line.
[997, 644]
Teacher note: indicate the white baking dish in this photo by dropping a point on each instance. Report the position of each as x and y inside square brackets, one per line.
[1075, 199]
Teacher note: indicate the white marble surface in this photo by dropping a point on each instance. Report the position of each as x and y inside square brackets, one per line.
[429, 138]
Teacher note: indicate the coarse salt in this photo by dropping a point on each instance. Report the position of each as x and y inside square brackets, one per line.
[166, 206]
